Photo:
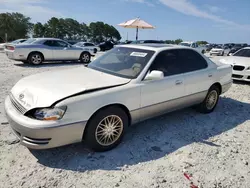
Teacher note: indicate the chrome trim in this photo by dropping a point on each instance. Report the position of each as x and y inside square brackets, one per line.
[161, 108]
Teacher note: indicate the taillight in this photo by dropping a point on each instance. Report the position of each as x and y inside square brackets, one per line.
[10, 47]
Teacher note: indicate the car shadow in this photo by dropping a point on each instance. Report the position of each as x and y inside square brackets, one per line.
[240, 82]
[152, 139]
[50, 64]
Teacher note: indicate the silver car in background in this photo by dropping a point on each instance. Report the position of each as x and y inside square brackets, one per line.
[37, 50]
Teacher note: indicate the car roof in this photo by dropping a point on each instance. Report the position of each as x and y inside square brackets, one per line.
[47, 39]
[154, 47]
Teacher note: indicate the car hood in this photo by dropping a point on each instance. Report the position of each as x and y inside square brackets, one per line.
[235, 60]
[44, 89]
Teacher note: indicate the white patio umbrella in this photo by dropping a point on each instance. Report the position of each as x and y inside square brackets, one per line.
[137, 24]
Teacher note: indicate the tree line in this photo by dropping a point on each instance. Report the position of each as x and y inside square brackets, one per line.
[17, 25]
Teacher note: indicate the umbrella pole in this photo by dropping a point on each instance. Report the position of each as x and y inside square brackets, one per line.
[136, 34]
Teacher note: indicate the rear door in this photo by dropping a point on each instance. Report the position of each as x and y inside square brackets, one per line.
[197, 73]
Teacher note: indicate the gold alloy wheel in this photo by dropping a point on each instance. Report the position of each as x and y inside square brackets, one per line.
[211, 99]
[109, 130]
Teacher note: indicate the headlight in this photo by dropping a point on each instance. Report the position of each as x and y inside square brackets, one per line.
[50, 113]
[248, 68]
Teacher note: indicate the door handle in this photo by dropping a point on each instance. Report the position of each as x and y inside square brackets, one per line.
[210, 75]
[178, 82]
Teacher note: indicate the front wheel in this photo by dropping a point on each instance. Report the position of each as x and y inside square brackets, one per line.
[85, 57]
[210, 102]
[106, 129]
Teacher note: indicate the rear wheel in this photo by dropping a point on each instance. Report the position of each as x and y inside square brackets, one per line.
[106, 129]
[210, 102]
[35, 58]
[85, 57]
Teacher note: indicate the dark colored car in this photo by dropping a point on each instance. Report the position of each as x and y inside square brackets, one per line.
[235, 49]
[106, 45]
[148, 41]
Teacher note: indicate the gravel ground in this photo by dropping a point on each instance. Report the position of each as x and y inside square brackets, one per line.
[213, 149]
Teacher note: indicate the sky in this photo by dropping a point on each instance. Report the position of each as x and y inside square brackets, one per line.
[215, 21]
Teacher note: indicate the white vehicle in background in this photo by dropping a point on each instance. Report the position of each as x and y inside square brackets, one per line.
[192, 44]
[18, 41]
[37, 50]
[218, 50]
[241, 64]
[88, 45]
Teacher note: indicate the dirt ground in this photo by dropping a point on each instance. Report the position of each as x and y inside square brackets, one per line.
[213, 148]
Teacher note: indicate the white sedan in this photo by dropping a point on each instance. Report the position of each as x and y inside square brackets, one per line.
[37, 50]
[217, 51]
[126, 85]
[241, 64]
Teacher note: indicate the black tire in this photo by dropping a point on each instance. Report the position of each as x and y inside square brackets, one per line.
[95, 50]
[85, 57]
[93, 126]
[35, 58]
[203, 107]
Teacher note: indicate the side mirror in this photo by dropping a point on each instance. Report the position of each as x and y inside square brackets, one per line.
[154, 75]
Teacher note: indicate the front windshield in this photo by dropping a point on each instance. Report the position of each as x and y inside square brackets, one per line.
[29, 41]
[185, 44]
[218, 47]
[122, 61]
[243, 53]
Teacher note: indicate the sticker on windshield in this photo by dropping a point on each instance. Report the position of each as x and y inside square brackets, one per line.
[138, 54]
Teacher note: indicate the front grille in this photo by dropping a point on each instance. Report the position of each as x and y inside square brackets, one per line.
[17, 105]
[236, 76]
[238, 68]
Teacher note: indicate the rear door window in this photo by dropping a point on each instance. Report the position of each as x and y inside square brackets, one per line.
[191, 60]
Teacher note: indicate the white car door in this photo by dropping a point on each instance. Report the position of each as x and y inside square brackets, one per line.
[63, 51]
[197, 73]
[160, 96]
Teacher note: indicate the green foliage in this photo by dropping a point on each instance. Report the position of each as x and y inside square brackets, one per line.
[16, 25]
[71, 29]
[177, 41]
[202, 42]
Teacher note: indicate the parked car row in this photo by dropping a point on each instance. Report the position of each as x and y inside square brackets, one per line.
[37, 50]
[219, 49]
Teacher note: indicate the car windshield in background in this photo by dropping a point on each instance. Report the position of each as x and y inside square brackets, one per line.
[243, 53]
[185, 44]
[218, 47]
[29, 41]
[123, 62]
